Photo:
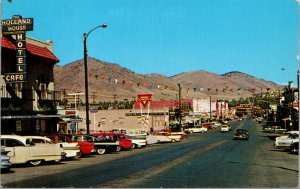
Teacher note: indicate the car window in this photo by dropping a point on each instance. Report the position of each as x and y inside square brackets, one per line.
[35, 140]
[11, 142]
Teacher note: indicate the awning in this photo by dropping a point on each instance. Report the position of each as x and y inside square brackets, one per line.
[30, 116]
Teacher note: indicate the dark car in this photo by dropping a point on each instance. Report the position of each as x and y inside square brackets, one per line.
[241, 134]
[294, 147]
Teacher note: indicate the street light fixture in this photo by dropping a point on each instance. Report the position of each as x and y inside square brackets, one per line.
[85, 36]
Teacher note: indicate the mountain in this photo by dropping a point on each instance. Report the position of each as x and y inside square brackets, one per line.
[108, 82]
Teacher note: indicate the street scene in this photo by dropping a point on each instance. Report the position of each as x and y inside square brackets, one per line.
[150, 94]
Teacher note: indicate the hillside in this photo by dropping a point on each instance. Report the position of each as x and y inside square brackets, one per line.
[109, 81]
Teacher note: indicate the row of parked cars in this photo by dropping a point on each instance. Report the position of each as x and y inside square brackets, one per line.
[287, 140]
[34, 150]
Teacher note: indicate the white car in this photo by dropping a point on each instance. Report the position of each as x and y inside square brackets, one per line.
[138, 140]
[72, 150]
[225, 128]
[196, 130]
[285, 142]
[22, 150]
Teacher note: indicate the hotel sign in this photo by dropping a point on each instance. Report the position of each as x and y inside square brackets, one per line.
[18, 26]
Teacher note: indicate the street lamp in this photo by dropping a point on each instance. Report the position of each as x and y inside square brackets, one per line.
[85, 36]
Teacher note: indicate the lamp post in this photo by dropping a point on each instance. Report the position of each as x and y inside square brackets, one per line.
[85, 36]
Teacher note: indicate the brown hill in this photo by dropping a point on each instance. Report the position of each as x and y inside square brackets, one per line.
[109, 81]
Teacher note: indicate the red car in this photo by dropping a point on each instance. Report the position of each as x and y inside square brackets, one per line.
[125, 143]
[85, 147]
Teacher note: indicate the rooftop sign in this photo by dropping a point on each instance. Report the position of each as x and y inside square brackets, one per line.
[17, 25]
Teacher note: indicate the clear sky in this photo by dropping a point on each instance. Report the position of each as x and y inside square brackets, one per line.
[257, 37]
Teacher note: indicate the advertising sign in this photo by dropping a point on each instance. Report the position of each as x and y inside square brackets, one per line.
[18, 26]
[144, 99]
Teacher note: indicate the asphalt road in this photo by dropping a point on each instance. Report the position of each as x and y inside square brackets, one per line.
[204, 160]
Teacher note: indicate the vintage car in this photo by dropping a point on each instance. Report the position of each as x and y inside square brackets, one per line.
[21, 150]
[241, 134]
[101, 145]
[124, 142]
[285, 142]
[72, 149]
[225, 128]
[86, 148]
[162, 137]
[5, 160]
[195, 130]
[138, 140]
[173, 132]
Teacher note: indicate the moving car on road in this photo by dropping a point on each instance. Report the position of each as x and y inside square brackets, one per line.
[241, 134]
[225, 128]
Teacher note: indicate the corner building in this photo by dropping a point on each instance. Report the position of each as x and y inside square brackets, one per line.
[29, 107]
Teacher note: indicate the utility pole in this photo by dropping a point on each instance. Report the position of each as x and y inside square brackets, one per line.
[93, 97]
[179, 103]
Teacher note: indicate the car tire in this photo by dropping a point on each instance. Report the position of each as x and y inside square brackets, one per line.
[173, 140]
[35, 162]
[133, 146]
[191, 132]
[118, 149]
[101, 151]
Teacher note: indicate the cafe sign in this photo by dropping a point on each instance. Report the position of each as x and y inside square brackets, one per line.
[18, 26]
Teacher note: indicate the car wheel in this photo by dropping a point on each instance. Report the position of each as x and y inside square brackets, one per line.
[191, 132]
[133, 146]
[118, 149]
[35, 162]
[173, 140]
[101, 151]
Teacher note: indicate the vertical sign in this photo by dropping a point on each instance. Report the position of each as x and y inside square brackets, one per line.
[18, 26]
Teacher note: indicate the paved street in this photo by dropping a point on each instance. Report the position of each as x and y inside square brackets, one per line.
[211, 159]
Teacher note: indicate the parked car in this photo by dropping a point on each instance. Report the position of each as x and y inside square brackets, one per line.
[215, 124]
[195, 130]
[138, 140]
[294, 147]
[86, 148]
[241, 134]
[124, 141]
[72, 149]
[174, 138]
[173, 132]
[5, 160]
[225, 128]
[101, 146]
[271, 129]
[21, 150]
[285, 142]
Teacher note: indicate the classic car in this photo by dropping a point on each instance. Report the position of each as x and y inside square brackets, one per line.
[192, 130]
[21, 150]
[5, 160]
[173, 138]
[72, 149]
[285, 142]
[225, 128]
[294, 147]
[173, 132]
[241, 134]
[124, 142]
[101, 145]
[138, 140]
[86, 148]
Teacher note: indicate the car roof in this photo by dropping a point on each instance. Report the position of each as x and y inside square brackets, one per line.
[38, 137]
[18, 137]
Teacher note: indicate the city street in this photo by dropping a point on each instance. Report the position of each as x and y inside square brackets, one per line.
[201, 160]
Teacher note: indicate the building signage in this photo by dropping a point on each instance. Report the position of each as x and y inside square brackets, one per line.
[151, 113]
[144, 99]
[18, 26]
